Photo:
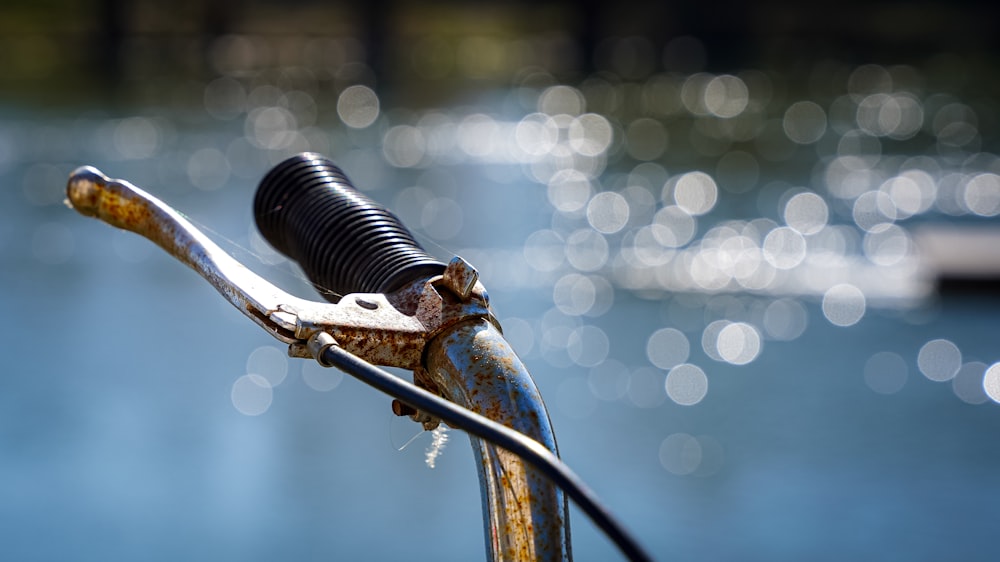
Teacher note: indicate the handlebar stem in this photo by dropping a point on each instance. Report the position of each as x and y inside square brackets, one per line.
[525, 515]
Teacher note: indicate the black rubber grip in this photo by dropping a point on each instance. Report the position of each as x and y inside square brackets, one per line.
[346, 243]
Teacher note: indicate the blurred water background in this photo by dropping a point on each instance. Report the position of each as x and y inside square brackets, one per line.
[716, 235]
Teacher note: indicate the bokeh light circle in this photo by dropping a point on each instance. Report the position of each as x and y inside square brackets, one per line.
[738, 343]
[574, 294]
[678, 226]
[844, 305]
[726, 96]
[982, 195]
[804, 122]
[885, 372]
[358, 106]
[569, 190]
[588, 346]
[784, 248]
[646, 387]
[696, 193]
[939, 360]
[806, 213]
[785, 319]
[991, 382]
[608, 212]
[586, 250]
[680, 454]
[968, 383]
[320, 378]
[251, 395]
[269, 362]
[590, 134]
[544, 250]
[667, 347]
[710, 338]
[686, 384]
[874, 211]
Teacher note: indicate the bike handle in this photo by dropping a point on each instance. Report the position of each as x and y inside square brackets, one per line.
[345, 242]
[445, 318]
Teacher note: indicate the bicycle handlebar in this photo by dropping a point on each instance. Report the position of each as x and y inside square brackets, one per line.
[346, 243]
[408, 311]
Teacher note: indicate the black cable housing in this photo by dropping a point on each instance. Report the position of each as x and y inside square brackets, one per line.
[461, 418]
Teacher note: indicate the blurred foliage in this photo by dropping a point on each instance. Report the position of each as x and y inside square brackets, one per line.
[80, 52]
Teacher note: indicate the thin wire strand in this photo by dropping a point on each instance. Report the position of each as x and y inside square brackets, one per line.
[287, 268]
[528, 449]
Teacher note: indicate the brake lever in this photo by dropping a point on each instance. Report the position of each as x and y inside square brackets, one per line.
[441, 327]
[389, 330]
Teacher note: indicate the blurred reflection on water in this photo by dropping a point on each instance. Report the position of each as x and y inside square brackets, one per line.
[715, 279]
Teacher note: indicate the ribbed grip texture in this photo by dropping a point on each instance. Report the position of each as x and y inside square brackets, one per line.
[346, 243]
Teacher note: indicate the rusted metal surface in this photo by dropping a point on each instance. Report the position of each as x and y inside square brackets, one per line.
[123, 205]
[526, 516]
[441, 328]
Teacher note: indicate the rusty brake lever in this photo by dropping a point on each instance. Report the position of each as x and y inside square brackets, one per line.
[390, 330]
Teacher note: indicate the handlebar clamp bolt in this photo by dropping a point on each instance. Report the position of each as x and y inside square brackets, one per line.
[460, 277]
